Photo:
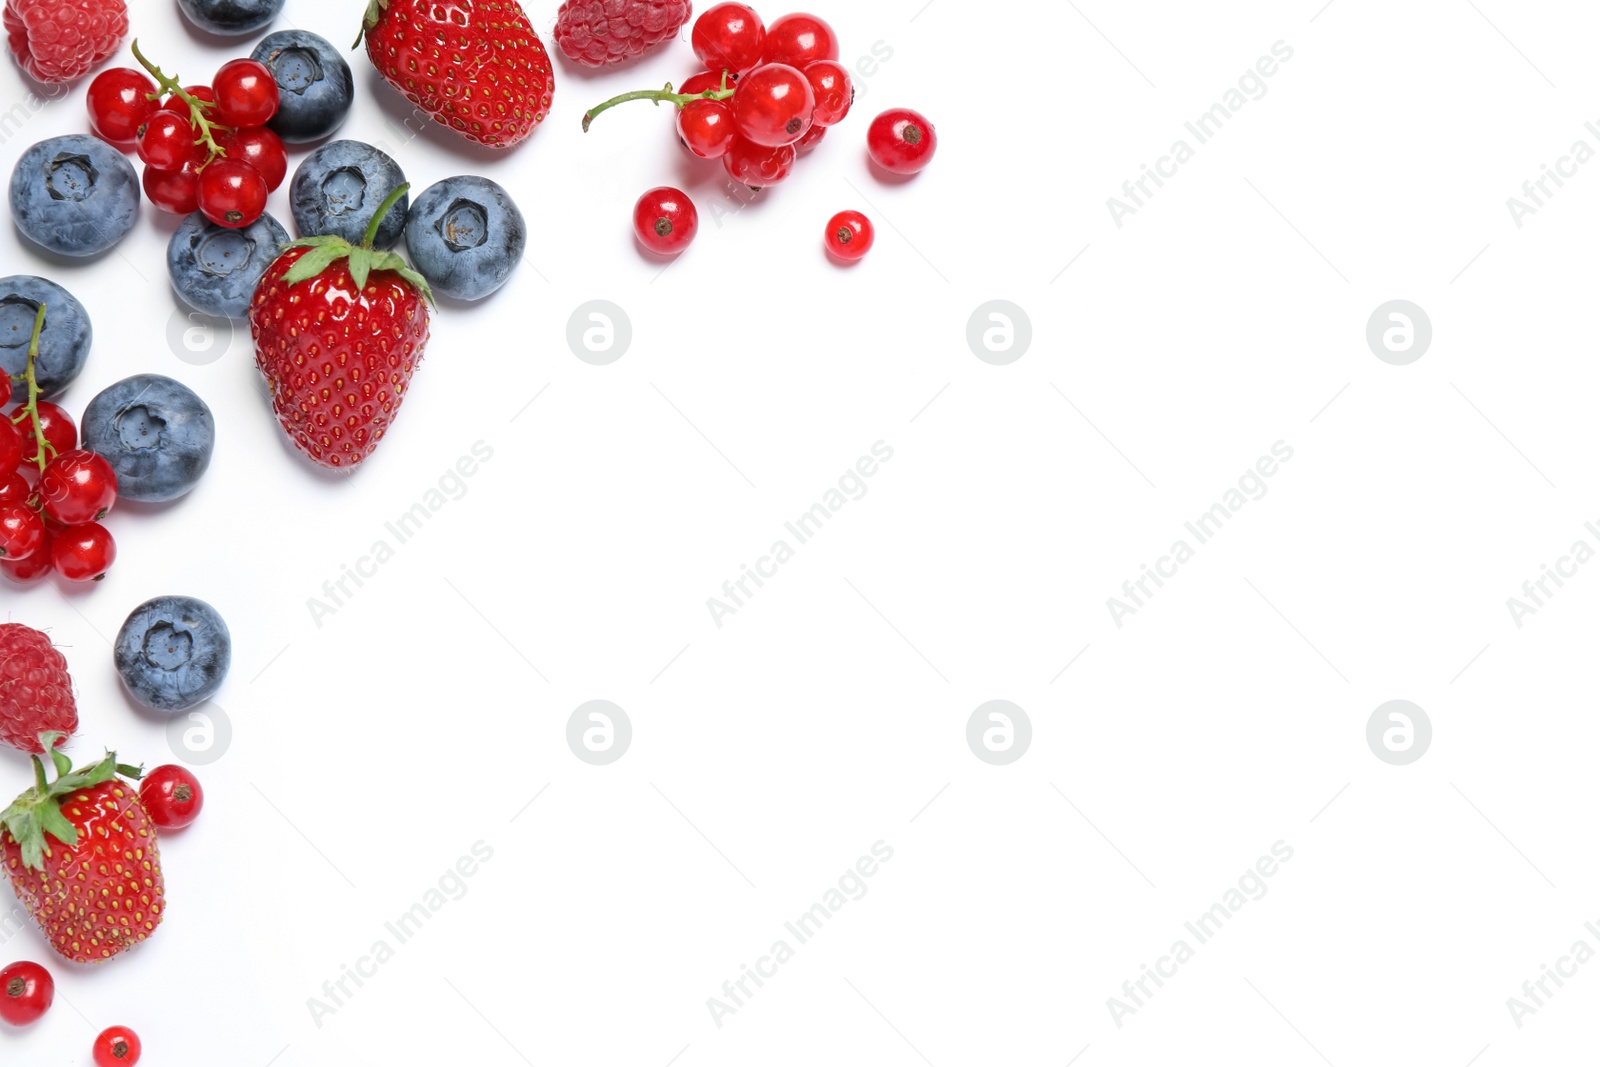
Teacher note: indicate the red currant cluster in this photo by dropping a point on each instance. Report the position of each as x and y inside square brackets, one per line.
[53, 494]
[204, 147]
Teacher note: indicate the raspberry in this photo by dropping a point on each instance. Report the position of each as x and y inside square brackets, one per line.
[59, 40]
[35, 689]
[595, 33]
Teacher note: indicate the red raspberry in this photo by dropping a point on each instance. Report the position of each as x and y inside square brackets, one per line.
[35, 689]
[59, 40]
[595, 33]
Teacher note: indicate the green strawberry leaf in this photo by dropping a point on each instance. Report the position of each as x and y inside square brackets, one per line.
[315, 262]
[360, 266]
[61, 760]
[52, 822]
[35, 816]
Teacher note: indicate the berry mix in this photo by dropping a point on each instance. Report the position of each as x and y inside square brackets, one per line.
[212, 152]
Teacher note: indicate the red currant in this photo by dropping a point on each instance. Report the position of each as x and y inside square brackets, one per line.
[26, 992]
[665, 220]
[246, 93]
[773, 105]
[758, 166]
[60, 433]
[729, 36]
[84, 553]
[168, 142]
[232, 193]
[901, 141]
[119, 105]
[36, 566]
[117, 1047]
[799, 40]
[830, 84]
[77, 487]
[706, 127]
[706, 80]
[172, 796]
[259, 147]
[177, 191]
[177, 103]
[14, 489]
[850, 235]
[10, 447]
[809, 141]
[21, 531]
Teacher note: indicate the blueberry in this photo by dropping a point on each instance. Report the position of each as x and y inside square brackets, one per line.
[156, 434]
[315, 86]
[215, 268]
[63, 343]
[465, 236]
[231, 17]
[173, 652]
[339, 187]
[75, 195]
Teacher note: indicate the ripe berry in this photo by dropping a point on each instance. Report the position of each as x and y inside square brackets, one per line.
[830, 84]
[850, 236]
[232, 193]
[259, 147]
[56, 42]
[246, 93]
[177, 103]
[117, 1047]
[704, 80]
[14, 489]
[77, 487]
[901, 141]
[729, 37]
[10, 447]
[172, 796]
[35, 566]
[773, 105]
[60, 432]
[21, 531]
[809, 141]
[799, 40]
[168, 142]
[119, 105]
[177, 191]
[756, 165]
[83, 553]
[596, 33]
[26, 992]
[665, 220]
[706, 128]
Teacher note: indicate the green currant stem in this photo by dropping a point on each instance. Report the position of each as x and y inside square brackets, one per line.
[31, 408]
[659, 96]
[197, 114]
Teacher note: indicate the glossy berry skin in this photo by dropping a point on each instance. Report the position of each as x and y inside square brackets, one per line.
[246, 93]
[60, 433]
[21, 531]
[757, 166]
[77, 487]
[809, 141]
[168, 142]
[63, 344]
[26, 993]
[14, 488]
[830, 84]
[901, 141]
[466, 235]
[315, 86]
[119, 105]
[156, 433]
[338, 189]
[117, 1047]
[37, 566]
[800, 40]
[259, 147]
[83, 553]
[10, 449]
[35, 689]
[181, 106]
[74, 195]
[173, 653]
[729, 37]
[665, 220]
[706, 128]
[216, 269]
[773, 105]
[172, 796]
[701, 81]
[849, 236]
[232, 193]
[176, 192]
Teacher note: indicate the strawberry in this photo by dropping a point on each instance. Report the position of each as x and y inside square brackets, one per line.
[81, 854]
[474, 66]
[339, 330]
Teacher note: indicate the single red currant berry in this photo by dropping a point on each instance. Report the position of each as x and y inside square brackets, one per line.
[172, 796]
[26, 992]
[177, 191]
[14, 489]
[830, 84]
[850, 235]
[773, 105]
[259, 147]
[36, 566]
[84, 553]
[119, 105]
[60, 433]
[901, 141]
[799, 40]
[21, 531]
[758, 166]
[665, 220]
[77, 487]
[705, 81]
[246, 93]
[168, 142]
[809, 141]
[117, 1047]
[729, 36]
[10, 446]
[177, 103]
[706, 127]
[232, 193]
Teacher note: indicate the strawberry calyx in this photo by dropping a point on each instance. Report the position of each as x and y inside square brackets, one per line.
[375, 9]
[363, 258]
[36, 815]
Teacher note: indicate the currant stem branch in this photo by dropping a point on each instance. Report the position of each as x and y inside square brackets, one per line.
[197, 114]
[31, 408]
[659, 96]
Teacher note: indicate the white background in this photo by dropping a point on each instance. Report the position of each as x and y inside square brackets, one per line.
[370, 753]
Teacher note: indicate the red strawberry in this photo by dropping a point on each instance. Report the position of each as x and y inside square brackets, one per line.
[339, 330]
[35, 689]
[81, 854]
[475, 66]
